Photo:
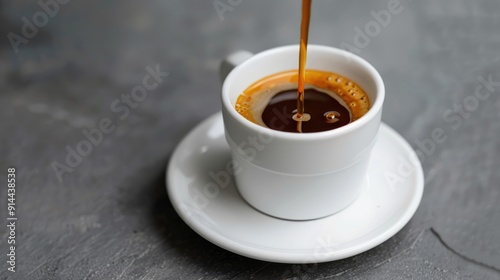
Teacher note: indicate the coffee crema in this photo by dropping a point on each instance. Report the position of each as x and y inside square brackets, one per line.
[331, 101]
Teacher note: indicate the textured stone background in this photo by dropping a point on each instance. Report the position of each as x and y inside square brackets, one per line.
[110, 218]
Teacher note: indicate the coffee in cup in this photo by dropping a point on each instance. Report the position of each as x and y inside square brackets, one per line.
[331, 99]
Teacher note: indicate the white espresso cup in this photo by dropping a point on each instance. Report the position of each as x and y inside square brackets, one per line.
[300, 176]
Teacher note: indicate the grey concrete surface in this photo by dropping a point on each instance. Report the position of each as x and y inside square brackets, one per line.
[110, 217]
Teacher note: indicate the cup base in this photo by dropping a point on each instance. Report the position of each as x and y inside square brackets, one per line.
[298, 220]
[299, 198]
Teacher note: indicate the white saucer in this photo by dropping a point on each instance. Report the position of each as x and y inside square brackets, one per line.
[222, 217]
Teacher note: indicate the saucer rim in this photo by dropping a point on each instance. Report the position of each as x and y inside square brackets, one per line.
[293, 256]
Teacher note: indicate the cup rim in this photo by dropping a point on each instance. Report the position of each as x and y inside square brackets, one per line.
[372, 112]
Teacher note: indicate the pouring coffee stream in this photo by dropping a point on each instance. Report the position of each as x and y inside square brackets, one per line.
[300, 116]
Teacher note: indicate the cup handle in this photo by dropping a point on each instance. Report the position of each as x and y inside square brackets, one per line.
[231, 61]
